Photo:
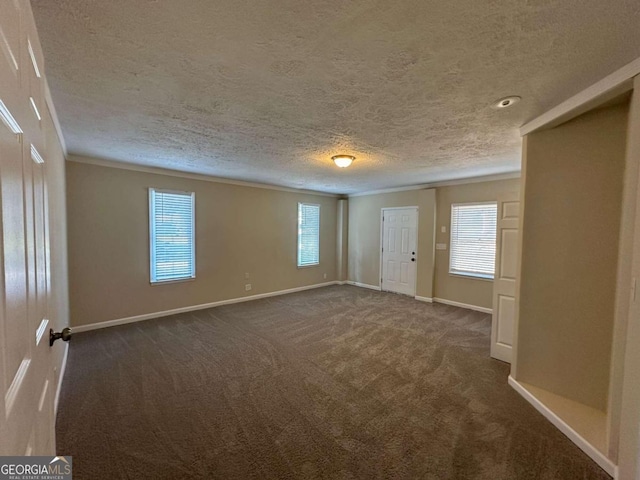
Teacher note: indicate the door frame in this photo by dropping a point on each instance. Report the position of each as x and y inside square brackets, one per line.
[415, 273]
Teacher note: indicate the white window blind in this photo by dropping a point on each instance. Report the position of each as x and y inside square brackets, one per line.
[308, 234]
[172, 231]
[473, 239]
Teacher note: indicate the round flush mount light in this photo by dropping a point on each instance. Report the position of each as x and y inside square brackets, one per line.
[343, 161]
[506, 102]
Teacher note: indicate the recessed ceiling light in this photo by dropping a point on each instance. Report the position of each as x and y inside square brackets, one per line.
[343, 161]
[506, 102]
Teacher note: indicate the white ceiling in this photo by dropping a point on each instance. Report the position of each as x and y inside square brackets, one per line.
[268, 90]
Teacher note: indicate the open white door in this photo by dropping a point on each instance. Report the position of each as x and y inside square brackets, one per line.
[399, 243]
[26, 421]
[504, 285]
[26, 373]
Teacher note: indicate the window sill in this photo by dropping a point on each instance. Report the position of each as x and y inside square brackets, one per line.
[168, 282]
[472, 276]
[310, 265]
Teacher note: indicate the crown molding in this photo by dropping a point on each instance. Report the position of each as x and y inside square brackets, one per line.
[192, 176]
[207, 178]
[444, 183]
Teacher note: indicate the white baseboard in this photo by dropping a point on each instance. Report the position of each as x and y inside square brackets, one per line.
[424, 299]
[463, 305]
[595, 454]
[63, 367]
[165, 313]
[364, 285]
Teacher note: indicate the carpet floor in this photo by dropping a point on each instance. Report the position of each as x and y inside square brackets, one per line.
[337, 383]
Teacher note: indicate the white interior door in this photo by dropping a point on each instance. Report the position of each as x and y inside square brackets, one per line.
[504, 285]
[26, 421]
[399, 254]
[26, 374]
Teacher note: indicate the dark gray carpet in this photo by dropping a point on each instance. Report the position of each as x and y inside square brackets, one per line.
[338, 383]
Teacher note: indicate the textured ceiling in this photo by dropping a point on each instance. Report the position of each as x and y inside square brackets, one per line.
[268, 90]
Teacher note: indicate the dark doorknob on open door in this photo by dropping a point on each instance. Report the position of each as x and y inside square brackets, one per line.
[65, 335]
[413, 259]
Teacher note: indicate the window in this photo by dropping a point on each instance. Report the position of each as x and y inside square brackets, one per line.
[473, 239]
[172, 232]
[308, 234]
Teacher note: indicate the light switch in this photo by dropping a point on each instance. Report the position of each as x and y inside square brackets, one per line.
[443, 229]
[441, 246]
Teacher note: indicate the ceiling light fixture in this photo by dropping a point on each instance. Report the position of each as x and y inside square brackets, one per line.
[343, 161]
[507, 102]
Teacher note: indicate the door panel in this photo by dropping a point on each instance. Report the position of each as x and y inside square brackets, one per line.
[13, 241]
[399, 231]
[392, 237]
[40, 252]
[506, 313]
[504, 285]
[388, 272]
[405, 239]
[26, 370]
[404, 273]
[16, 348]
[27, 420]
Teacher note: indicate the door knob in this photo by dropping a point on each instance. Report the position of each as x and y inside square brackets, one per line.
[65, 335]
[413, 259]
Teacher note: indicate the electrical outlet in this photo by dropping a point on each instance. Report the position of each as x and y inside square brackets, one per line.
[325, 276]
[247, 287]
[441, 246]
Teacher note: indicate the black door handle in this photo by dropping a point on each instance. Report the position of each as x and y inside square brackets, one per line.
[65, 335]
[413, 259]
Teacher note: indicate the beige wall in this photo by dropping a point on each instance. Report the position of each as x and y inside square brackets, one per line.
[434, 280]
[364, 236]
[239, 230]
[569, 255]
[426, 242]
[342, 240]
[471, 291]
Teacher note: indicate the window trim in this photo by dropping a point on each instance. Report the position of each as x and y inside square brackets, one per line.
[307, 265]
[463, 274]
[152, 231]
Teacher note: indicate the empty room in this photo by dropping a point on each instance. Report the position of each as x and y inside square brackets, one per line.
[305, 240]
